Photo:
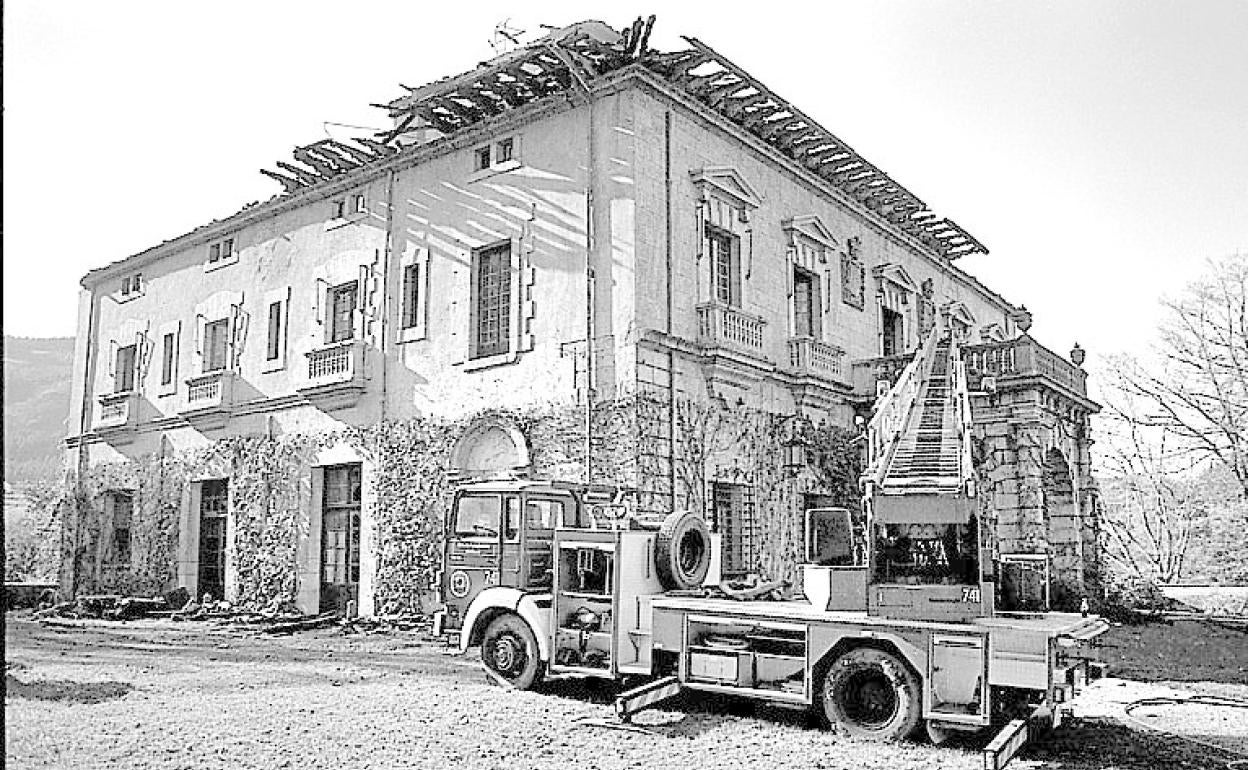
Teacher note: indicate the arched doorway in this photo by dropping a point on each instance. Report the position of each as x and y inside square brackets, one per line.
[1062, 531]
[490, 448]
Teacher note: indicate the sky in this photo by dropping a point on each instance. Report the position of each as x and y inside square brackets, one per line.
[1098, 149]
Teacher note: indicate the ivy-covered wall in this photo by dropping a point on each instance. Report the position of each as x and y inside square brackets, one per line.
[89, 562]
[748, 446]
[408, 464]
[269, 504]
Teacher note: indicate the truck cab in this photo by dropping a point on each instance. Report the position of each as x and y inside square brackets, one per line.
[500, 534]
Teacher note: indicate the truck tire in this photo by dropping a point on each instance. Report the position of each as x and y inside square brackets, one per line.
[872, 694]
[682, 551]
[509, 649]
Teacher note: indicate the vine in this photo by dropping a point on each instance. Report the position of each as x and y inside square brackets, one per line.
[408, 491]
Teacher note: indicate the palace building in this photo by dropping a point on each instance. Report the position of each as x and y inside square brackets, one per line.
[583, 260]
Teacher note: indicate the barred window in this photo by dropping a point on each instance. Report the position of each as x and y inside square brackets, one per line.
[491, 306]
[732, 516]
[123, 512]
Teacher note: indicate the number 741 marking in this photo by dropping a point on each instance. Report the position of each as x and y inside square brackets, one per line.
[971, 594]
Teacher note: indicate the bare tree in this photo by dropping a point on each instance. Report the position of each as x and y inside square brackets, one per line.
[1153, 505]
[1197, 391]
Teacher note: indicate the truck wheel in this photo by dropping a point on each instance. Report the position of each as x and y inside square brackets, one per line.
[510, 650]
[872, 694]
[682, 551]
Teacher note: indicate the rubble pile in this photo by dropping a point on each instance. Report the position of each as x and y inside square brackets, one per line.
[279, 616]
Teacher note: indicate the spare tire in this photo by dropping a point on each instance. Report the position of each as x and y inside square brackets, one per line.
[682, 551]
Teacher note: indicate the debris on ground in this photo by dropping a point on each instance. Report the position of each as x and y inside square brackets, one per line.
[388, 623]
[106, 607]
[303, 624]
[279, 616]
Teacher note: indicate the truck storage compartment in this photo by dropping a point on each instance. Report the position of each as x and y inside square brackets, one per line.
[584, 608]
[759, 656]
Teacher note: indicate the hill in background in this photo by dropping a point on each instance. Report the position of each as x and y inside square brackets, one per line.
[36, 406]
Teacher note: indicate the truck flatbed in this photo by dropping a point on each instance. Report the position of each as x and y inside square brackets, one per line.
[1049, 623]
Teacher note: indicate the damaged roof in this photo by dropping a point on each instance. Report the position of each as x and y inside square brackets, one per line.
[584, 52]
[580, 55]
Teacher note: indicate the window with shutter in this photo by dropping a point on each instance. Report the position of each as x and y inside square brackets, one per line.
[216, 345]
[124, 370]
[342, 301]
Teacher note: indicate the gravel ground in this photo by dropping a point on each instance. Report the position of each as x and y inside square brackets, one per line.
[155, 694]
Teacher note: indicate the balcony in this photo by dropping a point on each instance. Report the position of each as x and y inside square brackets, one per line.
[808, 357]
[335, 374]
[723, 328]
[117, 410]
[1023, 358]
[869, 371]
[1013, 362]
[211, 391]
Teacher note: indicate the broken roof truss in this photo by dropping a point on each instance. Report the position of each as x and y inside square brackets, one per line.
[733, 93]
[584, 52]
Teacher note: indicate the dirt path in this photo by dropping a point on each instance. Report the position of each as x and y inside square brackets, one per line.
[155, 694]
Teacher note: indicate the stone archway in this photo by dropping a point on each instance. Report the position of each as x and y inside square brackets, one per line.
[1062, 529]
[491, 447]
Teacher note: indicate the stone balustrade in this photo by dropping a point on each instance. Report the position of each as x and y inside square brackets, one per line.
[208, 391]
[340, 363]
[1024, 357]
[1018, 358]
[115, 410]
[720, 326]
[813, 358]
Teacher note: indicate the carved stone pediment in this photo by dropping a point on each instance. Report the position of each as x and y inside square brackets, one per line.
[897, 275]
[959, 312]
[811, 227]
[726, 182]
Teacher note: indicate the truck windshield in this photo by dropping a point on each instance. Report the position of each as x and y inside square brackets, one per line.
[477, 516]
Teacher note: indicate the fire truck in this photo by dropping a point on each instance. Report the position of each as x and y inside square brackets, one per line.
[896, 633]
